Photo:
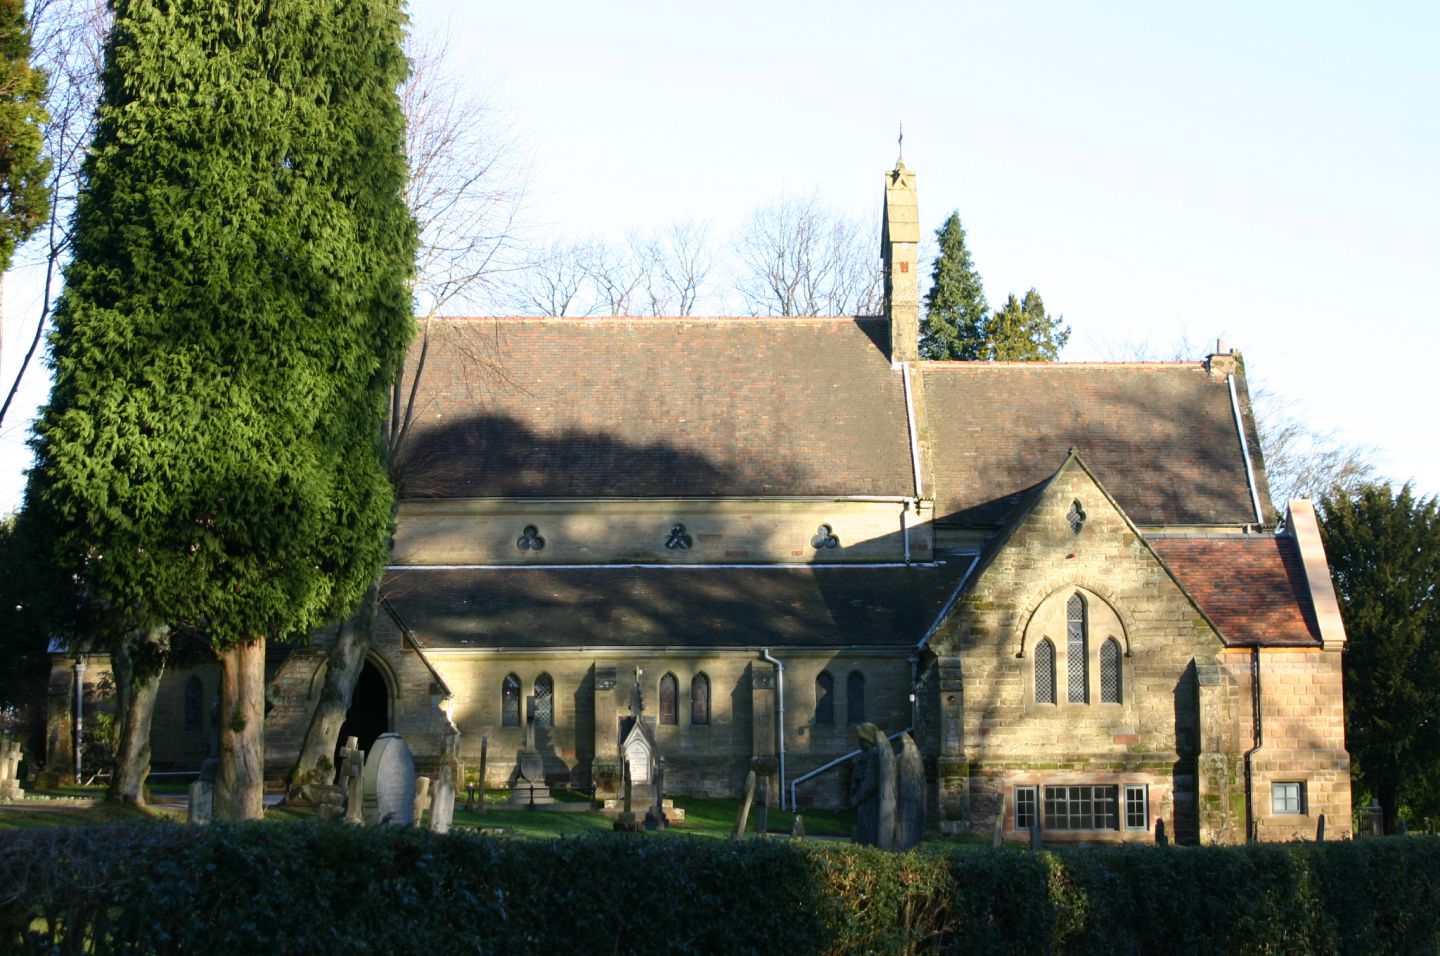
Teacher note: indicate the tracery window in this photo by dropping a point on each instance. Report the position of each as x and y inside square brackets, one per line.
[1076, 650]
[700, 700]
[855, 698]
[669, 693]
[1110, 671]
[1045, 672]
[824, 698]
[194, 703]
[544, 701]
[510, 701]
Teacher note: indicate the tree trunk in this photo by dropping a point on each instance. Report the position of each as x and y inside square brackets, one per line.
[315, 764]
[240, 785]
[138, 668]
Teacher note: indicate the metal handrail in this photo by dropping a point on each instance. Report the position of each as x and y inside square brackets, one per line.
[795, 807]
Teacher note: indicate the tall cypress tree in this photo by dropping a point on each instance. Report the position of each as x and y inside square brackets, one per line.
[955, 306]
[237, 303]
[1023, 331]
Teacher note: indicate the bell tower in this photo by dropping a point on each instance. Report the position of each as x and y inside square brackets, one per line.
[900, 249]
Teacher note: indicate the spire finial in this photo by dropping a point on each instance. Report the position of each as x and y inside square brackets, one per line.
[901, 160]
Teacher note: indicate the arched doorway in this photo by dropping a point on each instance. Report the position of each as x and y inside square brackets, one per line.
[369, 713]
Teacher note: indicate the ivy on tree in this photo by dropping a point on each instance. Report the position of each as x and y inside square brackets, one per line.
[1384, 551]
[24, 192]
[236, 306]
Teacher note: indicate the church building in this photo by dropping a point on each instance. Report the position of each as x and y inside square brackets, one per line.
[1066, 580]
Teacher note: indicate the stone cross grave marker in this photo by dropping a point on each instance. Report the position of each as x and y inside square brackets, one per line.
[10, 754]
[352, 769]
[389, 783]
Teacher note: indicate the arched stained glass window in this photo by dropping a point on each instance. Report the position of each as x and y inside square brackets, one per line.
[1110, 672]
[1076, 649]
[824, 698]
[544, 701]
[700, 700]
[510, 701]
[1045, 672]
[194, 703]
[855, 698]
[669, 693]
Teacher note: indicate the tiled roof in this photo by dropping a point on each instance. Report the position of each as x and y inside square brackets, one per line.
[827, 606]
[1252, 586]
[1161, 437]
[677, 407]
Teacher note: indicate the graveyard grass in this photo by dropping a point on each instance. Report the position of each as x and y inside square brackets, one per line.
[704, 817]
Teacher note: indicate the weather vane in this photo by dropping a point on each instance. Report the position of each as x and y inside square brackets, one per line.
[902, 142]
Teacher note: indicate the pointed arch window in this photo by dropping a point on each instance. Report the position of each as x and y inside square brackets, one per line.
[700, 700]
[824, 698]
[669, 693]
[544, 701]
[194, 703]
[1045, 672]
[1076, 650]
[1110, 671]
[510, 701]
[855, 698]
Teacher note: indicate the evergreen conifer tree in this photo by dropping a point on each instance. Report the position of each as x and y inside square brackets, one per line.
[955, 306]
[24, 193]
[236, 306]
[1023, 332]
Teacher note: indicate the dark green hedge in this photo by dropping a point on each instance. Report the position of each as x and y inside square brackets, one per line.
[302, 888]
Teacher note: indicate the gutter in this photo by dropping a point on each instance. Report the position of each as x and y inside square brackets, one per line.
[780, 698]
[1245, 449]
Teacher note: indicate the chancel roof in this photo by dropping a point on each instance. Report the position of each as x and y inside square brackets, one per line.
[669, 408]
[1161, 437]
[681, 606]
[1252, 586]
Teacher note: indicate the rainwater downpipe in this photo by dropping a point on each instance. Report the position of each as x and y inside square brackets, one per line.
[905, 528]
[1245, 450]
[79, 714]
[1258, 730]
[780, 709]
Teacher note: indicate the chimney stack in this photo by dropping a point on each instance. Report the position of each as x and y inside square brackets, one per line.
[900, 250]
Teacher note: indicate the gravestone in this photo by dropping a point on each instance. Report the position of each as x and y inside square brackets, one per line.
[202, 802]
[762, 815]
[389, 783]
[743, 817]
[422, 799]
[484, 756]
[885, 824]
[997, 837]
[10, 754]
[329, 801]
[627, 822]
[1160, 838]
[530, 789]
[352, 769]
[910, 793]
[655, 816]
[442, 805]
[797, 829]
[864, 796]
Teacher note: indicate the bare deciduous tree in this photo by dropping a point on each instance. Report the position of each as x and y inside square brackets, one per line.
[679, 261]
[1302, 461]
[797, 258]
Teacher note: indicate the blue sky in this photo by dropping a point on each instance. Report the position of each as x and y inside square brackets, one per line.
[1266, 173]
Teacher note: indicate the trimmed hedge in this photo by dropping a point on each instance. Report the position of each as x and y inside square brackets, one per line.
[317, 888]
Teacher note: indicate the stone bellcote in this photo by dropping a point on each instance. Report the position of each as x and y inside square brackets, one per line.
[900, 250]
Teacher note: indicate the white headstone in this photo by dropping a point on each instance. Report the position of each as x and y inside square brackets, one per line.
[442, 804]
[637, 754]
[389, 783]
[202, 802]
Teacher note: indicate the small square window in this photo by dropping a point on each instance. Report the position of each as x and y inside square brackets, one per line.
[1024, 808]
[1287, 798]
[1137, 807]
